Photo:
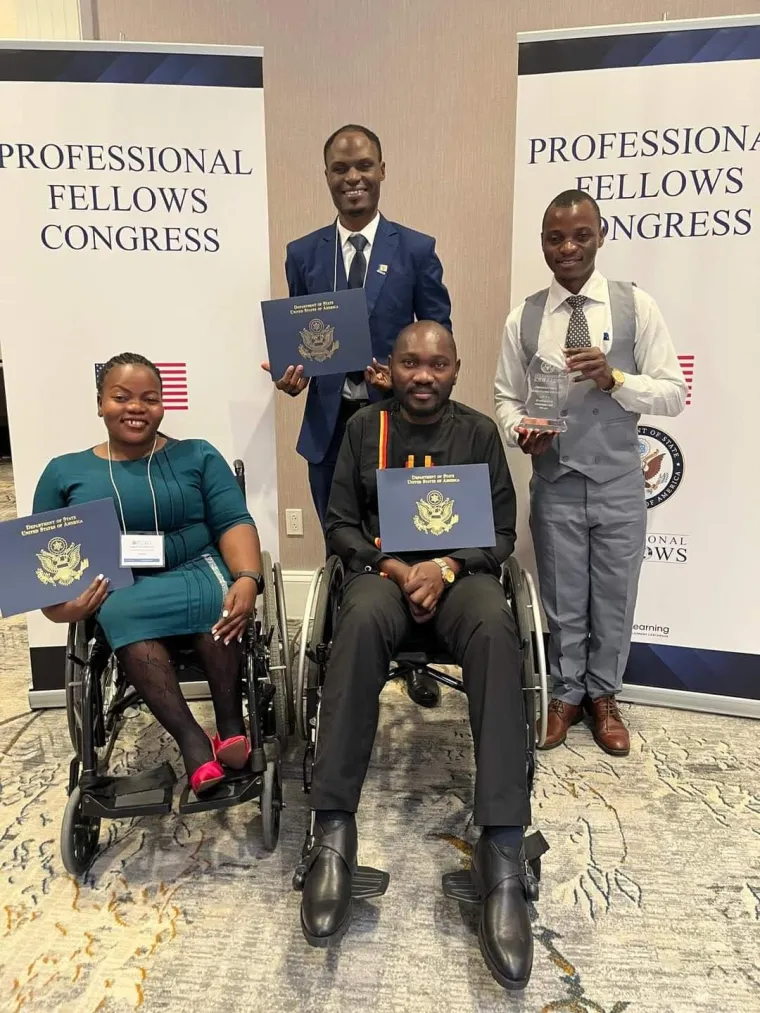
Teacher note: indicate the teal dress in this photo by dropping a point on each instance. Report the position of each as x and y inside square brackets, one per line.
[198, 499]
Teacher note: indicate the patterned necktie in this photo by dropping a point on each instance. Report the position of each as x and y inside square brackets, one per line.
[577, 330]
[356, 275]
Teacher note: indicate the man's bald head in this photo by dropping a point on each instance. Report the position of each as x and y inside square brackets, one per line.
[427, 331]
[424, 369]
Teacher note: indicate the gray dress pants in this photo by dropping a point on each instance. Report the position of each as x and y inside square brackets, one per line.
[589, 542]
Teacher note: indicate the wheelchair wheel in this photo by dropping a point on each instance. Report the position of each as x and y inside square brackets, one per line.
[76, 658]
[79, 836]
[319, 622]
[541, 671]
[303, 647]
[518, 593]
[282, 612]
[277, 662]
[271, 803]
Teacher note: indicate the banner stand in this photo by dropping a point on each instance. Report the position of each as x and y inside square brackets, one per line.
[659, 124]
[134, 205]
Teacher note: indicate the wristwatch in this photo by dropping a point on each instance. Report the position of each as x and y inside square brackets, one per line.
[255, 577]
[618, 377]
[446, 572]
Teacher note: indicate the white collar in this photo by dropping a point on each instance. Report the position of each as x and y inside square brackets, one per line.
[595, 289]
[368, 231]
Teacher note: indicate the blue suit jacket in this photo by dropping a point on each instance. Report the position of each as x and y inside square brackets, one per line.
[409, 286]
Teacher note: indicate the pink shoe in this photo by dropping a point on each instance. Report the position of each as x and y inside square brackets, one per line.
[233, 752]
[205, 777]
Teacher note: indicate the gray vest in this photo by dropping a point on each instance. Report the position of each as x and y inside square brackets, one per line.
[601, 441]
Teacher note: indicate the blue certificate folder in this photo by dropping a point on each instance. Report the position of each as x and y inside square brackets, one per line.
[435, 509]
[52, 557]
[327, 333]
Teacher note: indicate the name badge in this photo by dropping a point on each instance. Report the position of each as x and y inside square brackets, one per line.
[141, 550]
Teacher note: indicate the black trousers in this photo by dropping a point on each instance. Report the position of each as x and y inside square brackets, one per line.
[475, 625]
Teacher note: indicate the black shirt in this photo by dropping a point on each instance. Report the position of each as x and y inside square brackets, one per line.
[461, 436]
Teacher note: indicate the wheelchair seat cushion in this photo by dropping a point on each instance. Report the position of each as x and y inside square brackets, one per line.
[421, 642]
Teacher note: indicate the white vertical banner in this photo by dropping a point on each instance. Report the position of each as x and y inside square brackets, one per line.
[134, 206]
[660, 124]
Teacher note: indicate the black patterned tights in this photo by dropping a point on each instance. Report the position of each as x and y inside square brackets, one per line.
[148, 667]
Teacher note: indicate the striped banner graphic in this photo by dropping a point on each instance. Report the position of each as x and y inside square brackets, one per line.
[687, 365]
[173, 381]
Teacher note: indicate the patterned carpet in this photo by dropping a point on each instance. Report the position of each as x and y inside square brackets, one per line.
[650, 896]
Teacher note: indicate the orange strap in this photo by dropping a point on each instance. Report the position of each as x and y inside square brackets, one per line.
[382, 456]
[382, 453]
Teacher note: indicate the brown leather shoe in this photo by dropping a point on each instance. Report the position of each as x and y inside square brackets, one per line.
[610, 733]
[561, 716]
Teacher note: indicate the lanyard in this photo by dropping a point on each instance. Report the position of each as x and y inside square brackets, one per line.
[150, 483]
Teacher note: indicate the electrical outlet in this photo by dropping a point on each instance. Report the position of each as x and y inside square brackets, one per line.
[293, 522]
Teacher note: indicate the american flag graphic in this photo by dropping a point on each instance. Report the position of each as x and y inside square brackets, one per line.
[173, 380]
[687, 365]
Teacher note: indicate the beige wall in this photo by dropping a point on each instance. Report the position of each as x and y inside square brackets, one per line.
[8, 19]
[43, 19]
[436, 80]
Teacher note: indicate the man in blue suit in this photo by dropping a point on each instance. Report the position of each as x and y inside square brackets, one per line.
[403, 280]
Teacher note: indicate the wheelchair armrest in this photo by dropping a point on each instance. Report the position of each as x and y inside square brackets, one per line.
[239, 469]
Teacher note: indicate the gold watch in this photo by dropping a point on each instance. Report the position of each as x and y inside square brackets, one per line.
[446, 572]
[619, 379]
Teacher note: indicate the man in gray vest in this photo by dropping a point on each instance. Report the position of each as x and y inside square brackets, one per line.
[588, 510]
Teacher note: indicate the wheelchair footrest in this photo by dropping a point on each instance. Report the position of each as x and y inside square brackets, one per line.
[237, 787]
[367, 883]
[459, 886]
[148, 793]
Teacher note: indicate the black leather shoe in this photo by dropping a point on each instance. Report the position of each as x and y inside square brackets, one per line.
[331, 862]
[422, 688]
[504, 933]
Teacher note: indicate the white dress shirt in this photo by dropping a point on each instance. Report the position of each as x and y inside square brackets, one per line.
[357, 391]
[658, 388]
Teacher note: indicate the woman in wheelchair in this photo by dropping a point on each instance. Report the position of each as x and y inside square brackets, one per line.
[206, 586]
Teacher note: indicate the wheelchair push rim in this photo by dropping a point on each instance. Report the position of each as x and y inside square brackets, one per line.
[304, 643]
[282, 614]
[527, 610]
[540, 656]
[271, 623]
[319, 620]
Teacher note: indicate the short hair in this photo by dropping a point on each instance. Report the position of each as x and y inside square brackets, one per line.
[126, 359]
[568, 199]
[354, 128]
[419, 325]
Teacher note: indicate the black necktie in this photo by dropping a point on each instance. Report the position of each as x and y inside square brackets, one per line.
[356, 274]
[359, 264]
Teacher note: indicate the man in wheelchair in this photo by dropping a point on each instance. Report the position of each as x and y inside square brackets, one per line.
[460, 598]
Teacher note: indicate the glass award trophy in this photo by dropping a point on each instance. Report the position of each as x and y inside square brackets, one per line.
[548, 391]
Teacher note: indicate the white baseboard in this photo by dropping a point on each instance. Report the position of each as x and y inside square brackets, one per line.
[649, 696]
[297, 584]
[296, 590]
[653, 696]
[45, 699]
